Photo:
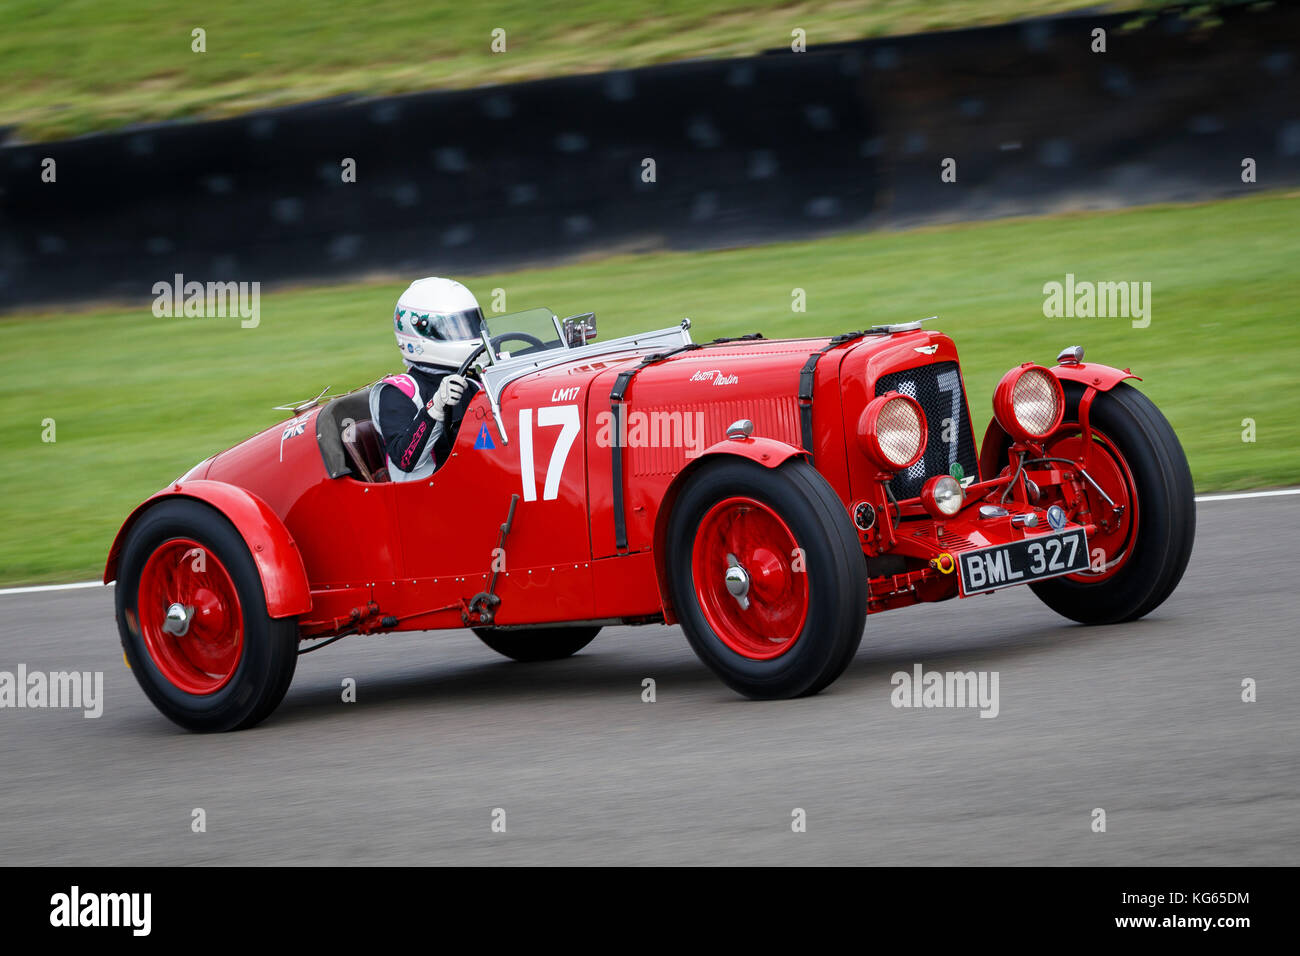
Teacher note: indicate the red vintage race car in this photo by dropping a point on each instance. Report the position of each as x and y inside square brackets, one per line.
[766, 495]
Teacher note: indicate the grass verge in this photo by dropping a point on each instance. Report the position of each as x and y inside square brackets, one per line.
[79, 66]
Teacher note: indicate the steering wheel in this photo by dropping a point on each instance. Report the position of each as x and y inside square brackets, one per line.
[496, 341]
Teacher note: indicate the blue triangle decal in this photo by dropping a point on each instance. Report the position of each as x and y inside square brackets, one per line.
[484, 439]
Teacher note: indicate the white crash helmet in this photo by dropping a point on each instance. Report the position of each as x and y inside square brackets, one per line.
[437, 322]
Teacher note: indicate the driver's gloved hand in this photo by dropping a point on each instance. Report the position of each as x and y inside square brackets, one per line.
[448, 394]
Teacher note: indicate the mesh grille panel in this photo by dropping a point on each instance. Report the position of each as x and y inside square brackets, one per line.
[942, 396]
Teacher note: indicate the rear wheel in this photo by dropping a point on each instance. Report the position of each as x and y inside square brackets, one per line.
[537, 643]
[767, 577]
[192, 618]
[1138, 556]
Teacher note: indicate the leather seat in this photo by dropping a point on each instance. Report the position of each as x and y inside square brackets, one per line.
[365, 450]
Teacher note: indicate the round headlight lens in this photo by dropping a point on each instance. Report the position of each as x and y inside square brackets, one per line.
[1029, 403]
[1037, 402]
[898, 429]
[892, 431]
[942, 496]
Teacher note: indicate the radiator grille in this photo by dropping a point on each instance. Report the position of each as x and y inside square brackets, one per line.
[942, 396]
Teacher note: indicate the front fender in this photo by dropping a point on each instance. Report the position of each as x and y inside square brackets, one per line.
[769, 452]
[1101, 377]
[284, 578]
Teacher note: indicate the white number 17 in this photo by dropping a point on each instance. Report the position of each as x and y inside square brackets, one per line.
[565, 416]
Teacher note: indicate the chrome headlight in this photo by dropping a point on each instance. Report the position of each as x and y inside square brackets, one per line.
[942, 496]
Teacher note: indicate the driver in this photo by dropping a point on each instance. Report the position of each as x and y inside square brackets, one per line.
[437, 324]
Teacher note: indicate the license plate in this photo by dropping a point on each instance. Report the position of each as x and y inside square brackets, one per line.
[1043, 556]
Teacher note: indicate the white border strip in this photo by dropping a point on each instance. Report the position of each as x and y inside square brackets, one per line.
[81, 585]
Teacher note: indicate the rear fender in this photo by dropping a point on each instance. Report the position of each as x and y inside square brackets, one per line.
[768, 452]
[284, 578]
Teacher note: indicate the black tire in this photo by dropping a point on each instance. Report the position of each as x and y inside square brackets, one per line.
[1166, 513]
[270, 645]
[529, 645]
[836, 571]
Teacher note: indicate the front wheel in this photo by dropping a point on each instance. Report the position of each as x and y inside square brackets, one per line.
[1139, 553]
[537, 643]
[767, 576]
[192, 618]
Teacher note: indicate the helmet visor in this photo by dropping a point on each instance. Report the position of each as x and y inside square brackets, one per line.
[440, 326]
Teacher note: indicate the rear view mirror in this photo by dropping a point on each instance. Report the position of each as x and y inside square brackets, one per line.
[579, 329]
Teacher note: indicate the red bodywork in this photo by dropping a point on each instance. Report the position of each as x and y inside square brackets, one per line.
[333, 552]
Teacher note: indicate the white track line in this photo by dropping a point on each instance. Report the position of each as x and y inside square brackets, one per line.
[53, 587]
[99, 584]
[1249, 494]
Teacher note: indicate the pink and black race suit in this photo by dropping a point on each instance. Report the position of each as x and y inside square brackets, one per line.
[413, 441]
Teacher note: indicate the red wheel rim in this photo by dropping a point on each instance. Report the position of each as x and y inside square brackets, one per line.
[744, 533]
[198, 648]
[1111, 545]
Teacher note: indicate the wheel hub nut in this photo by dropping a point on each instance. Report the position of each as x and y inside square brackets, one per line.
[177, 621]
[737, 580]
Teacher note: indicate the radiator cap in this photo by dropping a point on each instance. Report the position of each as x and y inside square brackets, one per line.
[903, 326]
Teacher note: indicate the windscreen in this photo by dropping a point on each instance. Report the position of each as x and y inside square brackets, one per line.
[523, 333]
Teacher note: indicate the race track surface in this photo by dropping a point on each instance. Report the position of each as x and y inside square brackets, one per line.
[1144, 720]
